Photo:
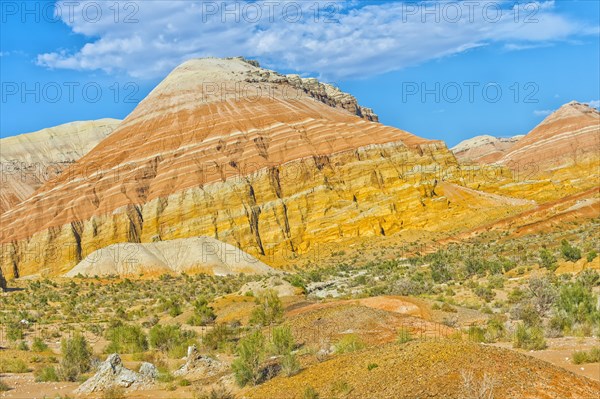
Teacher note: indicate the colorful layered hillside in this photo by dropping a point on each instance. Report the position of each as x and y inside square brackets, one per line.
[559, 158]
[29, 160]
[272, 164]
[567, 137]
[483, 149]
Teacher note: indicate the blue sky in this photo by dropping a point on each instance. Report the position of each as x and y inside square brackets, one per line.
[444, 70]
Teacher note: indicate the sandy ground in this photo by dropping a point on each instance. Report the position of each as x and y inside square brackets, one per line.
[560, 352]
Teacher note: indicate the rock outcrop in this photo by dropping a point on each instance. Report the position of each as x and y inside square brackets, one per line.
[484, 149]
[29, 160]
[112, 374]
[199, 366]
[185, 255]
[568, 136]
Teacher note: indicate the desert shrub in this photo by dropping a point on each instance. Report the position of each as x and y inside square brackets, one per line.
[184, 382]
[543, 294]
[171, 339]
[203, 313]
[349, 343]
[23, 346]
[474, 389]
[448, 308]
[477, 334]
[14, 331]
[441, 271]
[578, 302]
[516, 295]
[404, 336]
[46, 374]
[126, 338]
[13, 365]
[495, 327]
[484, 293]
[589, 278]
[218, 336]
[569, 252]
[38, 345]
[310, 393]
[268, 310]
[3, 386]
[296, 281]
[591, 255]
[113, 393]
[548, 260]
[526, 312]
[215, 393]
[591, 356]
[531, 338]
[290, 365]
[76, 358]
[251, 353]
[171, 305]
[372, 366]
[282, 340]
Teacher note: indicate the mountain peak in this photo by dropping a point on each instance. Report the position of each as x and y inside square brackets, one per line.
[569, 134]
[208, 80]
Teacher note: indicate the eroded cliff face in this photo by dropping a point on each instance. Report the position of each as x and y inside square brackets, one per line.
[259, 163]
[27, 161]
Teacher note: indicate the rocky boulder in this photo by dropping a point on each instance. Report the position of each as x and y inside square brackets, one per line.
[112, 374]
[198, 365]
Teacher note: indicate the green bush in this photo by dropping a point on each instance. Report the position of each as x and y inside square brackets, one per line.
[268, 310]
[251, 353]
[14, 331]
[404, 336]
[13, 365]
[282, 340]
[113, 393]
[203, 313]
[126, 338]
[547, 260]
[310, 393]
[218, 393]
[46, 374]
[578, 302]
[591, 356]
[171, 339]
[569, 252]
[218, 336]
[76, 358]
[477, 334]
[23, 346]
[290, 365]
[3, 386]
[38, 345]
[591, 255]
[349, 343]
[530, 338]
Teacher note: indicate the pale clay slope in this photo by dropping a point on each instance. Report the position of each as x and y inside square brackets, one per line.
[484, 147]
[31, 159]
[186, 255]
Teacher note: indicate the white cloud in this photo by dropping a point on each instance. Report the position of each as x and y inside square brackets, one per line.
[594, 103]
[543, 112]
[353, 39]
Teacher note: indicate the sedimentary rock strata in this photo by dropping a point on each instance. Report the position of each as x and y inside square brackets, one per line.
[29, 160]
